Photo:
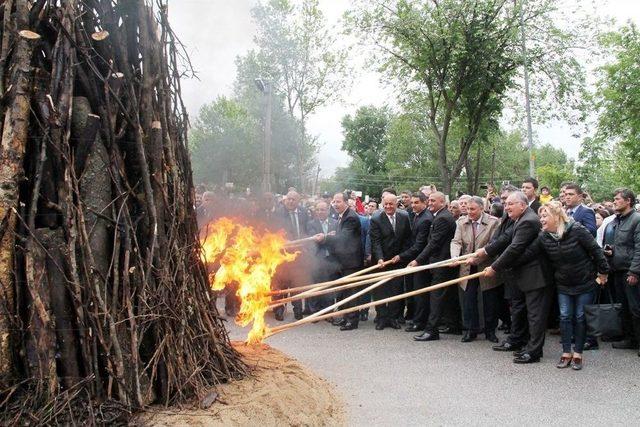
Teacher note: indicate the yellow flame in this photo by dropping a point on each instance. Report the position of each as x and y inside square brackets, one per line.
[250, 260]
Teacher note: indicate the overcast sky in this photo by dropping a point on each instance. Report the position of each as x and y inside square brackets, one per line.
[217, 31]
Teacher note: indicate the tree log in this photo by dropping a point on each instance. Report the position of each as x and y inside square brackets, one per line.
[14, 139]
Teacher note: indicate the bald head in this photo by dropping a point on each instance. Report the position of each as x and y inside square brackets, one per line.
[437, 201]
[292, 200]
[390, 203]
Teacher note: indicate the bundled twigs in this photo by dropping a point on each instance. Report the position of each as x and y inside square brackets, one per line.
[103, 295]
[310, 319]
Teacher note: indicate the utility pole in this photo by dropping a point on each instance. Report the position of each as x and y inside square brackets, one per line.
[266, 89]
[527, 105]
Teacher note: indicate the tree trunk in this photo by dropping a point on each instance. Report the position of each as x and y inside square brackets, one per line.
[14, 141]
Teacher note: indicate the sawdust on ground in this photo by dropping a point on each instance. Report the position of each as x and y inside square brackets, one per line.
[280, 392]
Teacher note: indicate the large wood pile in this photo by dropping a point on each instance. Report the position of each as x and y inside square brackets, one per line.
[104, 303]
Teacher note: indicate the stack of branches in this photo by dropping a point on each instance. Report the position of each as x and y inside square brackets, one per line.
[104, 302]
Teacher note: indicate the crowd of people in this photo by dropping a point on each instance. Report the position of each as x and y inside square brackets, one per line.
[544, 258]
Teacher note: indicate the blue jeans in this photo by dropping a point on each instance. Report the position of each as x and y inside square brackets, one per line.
[572, 320]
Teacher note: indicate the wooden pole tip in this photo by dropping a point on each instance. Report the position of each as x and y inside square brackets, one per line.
[100, 35]
[29, 35]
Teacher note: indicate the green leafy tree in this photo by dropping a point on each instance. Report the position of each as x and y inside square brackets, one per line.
[459, 59]
[224, 144]
[366, 137]
[307, 69]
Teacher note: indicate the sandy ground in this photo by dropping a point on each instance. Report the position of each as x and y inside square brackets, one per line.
[280, 392]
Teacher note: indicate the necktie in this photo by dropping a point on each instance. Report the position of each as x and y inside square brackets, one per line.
[393, 222]
[325, 227]
[474, 227]
[294, 222]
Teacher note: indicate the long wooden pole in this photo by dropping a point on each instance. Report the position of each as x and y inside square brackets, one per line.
[306, 320]
[359, 275]
[327, 289]
[350, 298]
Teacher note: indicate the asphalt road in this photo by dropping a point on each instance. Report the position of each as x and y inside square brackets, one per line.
[387, 379]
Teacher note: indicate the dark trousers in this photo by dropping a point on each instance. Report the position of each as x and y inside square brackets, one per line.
[410, 303]
[324, 272]
[529, 317]
[440, 298]
[490, 305]
[422, 302]
[504, 311]
[355, 316]
[629, 297]
[392, 310]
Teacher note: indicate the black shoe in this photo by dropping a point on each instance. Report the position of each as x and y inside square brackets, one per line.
[427, 336]
[576, 363]
[469, 336]
[625, 345]
[382, 323]
[349, 326]
[394, 324]
[279, 315]
[491, 336]
[400, 320]
[449, 330]
[507, 346]
[591, 346]
[364, 316]
[297, 314]
[526, 358]
[339, 322]
[413, 328]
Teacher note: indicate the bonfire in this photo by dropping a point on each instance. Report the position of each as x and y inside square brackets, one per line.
[242, 255]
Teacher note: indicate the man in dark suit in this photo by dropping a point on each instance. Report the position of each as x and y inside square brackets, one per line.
[293, 219]
[325, 266]
[530, 189]
[346, 246]
[573, 200]
[437, 249]
[420, 227]
[390, 234]
[531, 294]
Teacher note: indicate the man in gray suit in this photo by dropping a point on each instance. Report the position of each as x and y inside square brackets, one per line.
[531, 294]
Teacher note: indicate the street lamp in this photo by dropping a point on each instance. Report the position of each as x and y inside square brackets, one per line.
[266, 88]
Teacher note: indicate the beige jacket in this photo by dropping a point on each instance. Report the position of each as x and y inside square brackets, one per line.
[462, 244]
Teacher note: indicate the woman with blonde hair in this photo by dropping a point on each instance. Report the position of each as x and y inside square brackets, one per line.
[576, 259]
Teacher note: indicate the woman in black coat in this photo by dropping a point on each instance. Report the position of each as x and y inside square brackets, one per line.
[577, 260]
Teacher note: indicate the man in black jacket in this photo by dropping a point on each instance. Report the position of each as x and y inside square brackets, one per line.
[530, 189]
[438, 248]
[622, 248]
[531, 295]
[345, 244]
[420, 228]
[390, 233]
[293, 219]
[325, 266]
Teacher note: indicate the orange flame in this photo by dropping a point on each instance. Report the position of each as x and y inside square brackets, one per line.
[249, 259]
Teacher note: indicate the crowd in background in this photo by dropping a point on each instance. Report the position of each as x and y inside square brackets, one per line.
[544, 258]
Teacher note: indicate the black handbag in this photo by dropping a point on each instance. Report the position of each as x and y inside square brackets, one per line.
[604, 319]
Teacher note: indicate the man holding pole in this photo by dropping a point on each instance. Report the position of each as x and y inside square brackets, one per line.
[420, 228]
[531, 295]
[390, 233]
[473, 231]
[437, 249]
[346, 247]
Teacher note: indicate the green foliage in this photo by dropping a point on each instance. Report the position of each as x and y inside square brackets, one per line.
[611, 158]
[225, 145]
[619, 90]
[298, 53]
[456, 61]
[366, 137]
